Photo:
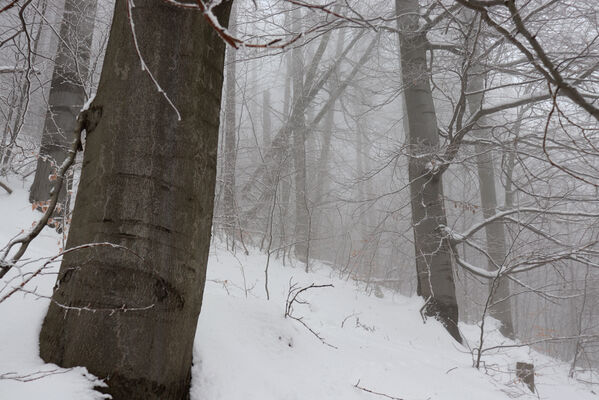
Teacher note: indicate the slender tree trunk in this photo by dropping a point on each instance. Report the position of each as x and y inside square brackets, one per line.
[147, 184]
[298, 128]
[501, 307]
[432, 250]
[230, 136]
[67, 94]
[285, 190]
[325, 149]
[366, 245]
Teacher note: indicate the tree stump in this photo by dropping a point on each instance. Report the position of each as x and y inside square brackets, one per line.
[526, 373]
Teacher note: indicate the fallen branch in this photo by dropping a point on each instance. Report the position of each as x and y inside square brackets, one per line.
[292, 298]
[5, 187]
[357, 386]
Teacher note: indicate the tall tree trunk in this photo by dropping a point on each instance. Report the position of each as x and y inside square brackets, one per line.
[432, 250]
[298, 127]
[230, 148]
[284, 192]
[67, 93]
[147, 184]
[322, 171]
[366, 247]
[501, 307]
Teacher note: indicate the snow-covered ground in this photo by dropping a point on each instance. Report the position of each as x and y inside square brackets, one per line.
[246, 348]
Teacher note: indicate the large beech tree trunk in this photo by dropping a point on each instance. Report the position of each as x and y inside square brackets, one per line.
[67, 94]
[148, 184]
[432, 250]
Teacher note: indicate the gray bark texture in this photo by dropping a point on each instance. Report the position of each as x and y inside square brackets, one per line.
[432, 250]
[67, 94]
[147, 184]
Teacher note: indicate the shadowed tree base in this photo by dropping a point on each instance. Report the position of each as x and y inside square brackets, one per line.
[124, 388]
[447, 315]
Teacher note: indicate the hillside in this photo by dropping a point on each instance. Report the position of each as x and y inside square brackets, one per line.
[246, 349]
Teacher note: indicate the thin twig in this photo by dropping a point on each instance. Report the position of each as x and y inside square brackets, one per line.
[357, 386]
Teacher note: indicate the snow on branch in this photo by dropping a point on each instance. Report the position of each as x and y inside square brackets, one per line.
[461, 237]
[86, 121]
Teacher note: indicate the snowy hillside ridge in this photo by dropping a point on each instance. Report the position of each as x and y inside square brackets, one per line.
[245, 348]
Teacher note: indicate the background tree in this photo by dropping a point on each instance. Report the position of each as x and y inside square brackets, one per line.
[67, 94]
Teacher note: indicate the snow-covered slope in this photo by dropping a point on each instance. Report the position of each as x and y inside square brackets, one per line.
[246, 348]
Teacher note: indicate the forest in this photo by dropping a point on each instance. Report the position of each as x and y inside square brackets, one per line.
[299, 199]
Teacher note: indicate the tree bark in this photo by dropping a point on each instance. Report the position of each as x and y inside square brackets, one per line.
[67, 94]
[147, 184]
[432, 250]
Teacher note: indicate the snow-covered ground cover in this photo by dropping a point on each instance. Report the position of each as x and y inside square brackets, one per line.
[246, 348]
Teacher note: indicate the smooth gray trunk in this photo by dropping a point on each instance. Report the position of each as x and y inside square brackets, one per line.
[147, 184]
[432, 250]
